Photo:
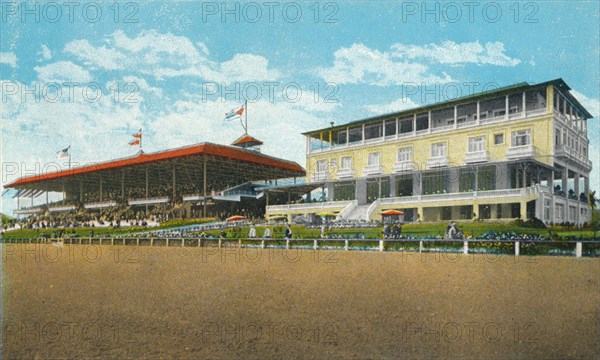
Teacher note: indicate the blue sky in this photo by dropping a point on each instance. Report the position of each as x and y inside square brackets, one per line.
[175, 60]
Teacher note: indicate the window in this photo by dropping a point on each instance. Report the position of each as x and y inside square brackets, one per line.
[476, 144]
[499, 112]
[557, 137]
[342, 137]
[521, 138]
[438, 150]
[390, 127]
[405, 154]
[346, 163]
[547, 209]
[486, 178]
[559, 212]
[406, 125]
[322, 166]
[498, 139]
[373, 131]
[355, 134]
[373, 159]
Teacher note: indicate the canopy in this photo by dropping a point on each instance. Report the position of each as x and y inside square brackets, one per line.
[236, 218]
[391, 212]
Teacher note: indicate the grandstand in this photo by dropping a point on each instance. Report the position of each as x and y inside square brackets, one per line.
[202, 180]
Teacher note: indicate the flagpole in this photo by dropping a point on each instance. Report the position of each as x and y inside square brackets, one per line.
[141, 136]
[246, 116]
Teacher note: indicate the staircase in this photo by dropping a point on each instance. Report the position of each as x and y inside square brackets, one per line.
[359, 213]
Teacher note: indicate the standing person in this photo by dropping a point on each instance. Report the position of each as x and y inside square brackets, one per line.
[252, 232]
[453, 232]
[386, 231]
[447, 234]
[267, 233]
[395, 231]
[399, 230]
[288, 231]
[322, 231]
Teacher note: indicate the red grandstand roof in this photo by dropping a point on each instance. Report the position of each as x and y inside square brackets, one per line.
[246, 139]
[215, 150]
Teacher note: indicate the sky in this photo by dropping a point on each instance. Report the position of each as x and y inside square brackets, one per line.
[89, 74]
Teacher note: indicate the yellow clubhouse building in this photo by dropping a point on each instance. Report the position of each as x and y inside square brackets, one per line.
[515, 152]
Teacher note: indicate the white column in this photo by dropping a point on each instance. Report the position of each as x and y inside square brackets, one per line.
[429, 121]
[477, 120]
[415, 124]
[455, 116]
[506, 108]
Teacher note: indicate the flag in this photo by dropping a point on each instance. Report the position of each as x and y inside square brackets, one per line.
[64, 153]
[137, 135]
[134, 142]
[235, 113]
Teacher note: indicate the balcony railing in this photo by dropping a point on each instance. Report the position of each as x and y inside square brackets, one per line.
[373, 169]
[345, 173]
[475, 157]
[100, 205]
[437, 161]
[148, 201]
[320, 176]
[567, 151]
[309, 206]
[400, 166]
[522, 151]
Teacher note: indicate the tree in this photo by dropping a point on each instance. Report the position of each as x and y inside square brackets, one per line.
[592, 200]
[595, 223]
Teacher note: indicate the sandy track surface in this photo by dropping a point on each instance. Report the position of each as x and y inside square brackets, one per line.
[86, 301]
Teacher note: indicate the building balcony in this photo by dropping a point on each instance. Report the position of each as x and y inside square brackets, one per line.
[570, 153]
[518, 152]
[373, 169]
[476, 157]
[345, 173]
[320, 176]
[437, 161]
[400, 166]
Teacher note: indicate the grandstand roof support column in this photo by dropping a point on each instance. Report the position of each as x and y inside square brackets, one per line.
[46, 197]
[204, 187]
[174, 184]
[122, 185]
[146, 189]
[80, 192]
[100, 189]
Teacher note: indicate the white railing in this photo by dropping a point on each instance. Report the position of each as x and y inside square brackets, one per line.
[308, 206]
[566, 150]
[62, 208]
[148, 201]
[372, 208]
[400, 166]
[29, 211]
[478, 156]
[466, 124]
[320, 176]
[100, 205]
[442, 128]
[437, 161]
[345, 173]
[522, 151]
[347, 210]
[373, 169]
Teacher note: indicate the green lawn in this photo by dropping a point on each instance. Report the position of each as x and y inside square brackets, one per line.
[473, 229]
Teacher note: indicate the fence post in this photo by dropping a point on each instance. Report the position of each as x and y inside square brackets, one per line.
[578, 249]
[346, 244]
[220, 240]
[262, 243]
[112, 241]
[381, 248]
[517, 248]
[167, 242]
[465, 247]
[182, 242]
[287, 243]
[315, 244]
[420, 246]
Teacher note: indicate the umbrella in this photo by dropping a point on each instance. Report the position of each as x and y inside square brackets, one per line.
[236, 218]
[391, 212]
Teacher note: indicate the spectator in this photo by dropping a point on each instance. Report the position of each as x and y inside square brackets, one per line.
[288, 232]
[267, 233]
[252, 232]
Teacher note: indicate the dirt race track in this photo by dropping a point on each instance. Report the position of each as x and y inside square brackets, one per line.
[86, 301]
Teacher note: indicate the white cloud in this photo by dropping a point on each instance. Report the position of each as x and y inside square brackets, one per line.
[8, 58]
[248, 67]
[44, 53]
[394, 106]
[63, 71]
[360, 64]
[449, 52]
[167, 56]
